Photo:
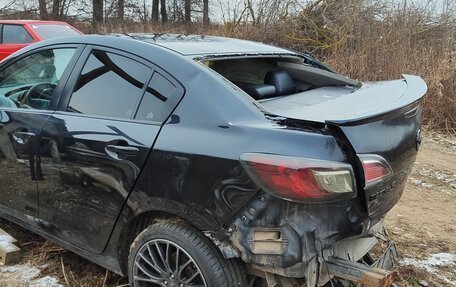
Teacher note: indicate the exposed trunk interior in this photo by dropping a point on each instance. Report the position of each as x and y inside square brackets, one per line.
[270, 77]
[379, 118]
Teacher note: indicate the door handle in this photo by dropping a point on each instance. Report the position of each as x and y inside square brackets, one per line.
[120, 151]
[22, 137]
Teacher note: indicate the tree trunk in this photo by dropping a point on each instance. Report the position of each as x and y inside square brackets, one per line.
[206, 13]
[163, 11]
[55, 9]
[252, 12]
[120, 9]
[43, 10]
[155, 11]
[187, 11]
[62, 10]
[97, 12]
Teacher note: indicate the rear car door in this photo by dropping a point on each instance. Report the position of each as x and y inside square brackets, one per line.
[13, 38]
[93, 148]
[30, 87]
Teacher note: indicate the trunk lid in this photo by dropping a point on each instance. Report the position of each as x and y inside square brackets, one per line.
[382, 118]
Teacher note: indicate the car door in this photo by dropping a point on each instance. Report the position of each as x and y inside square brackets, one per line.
[93, 149]
[13, 37]
[29, 90]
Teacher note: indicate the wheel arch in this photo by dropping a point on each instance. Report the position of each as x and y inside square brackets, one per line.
[141, 221]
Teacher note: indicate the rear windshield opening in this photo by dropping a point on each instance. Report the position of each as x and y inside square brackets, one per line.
[270, 77]
[52, 31]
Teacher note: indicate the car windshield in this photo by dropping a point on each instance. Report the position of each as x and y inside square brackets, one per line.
[51, 31]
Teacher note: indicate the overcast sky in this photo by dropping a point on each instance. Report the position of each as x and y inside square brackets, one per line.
[225, 8]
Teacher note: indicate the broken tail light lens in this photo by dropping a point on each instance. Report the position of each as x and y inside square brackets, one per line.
[300, 179]
[376, 169]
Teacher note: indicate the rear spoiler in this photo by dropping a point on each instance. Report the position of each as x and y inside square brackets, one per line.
[408, 102]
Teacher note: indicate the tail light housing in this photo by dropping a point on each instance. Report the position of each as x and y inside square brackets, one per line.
[376, 169]
[300, 179]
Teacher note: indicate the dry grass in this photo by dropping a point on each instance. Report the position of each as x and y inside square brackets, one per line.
[53, 260]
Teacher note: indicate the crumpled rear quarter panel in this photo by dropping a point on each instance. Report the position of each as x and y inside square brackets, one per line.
[308, 230]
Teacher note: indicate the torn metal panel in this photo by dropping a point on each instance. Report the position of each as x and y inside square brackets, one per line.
[305, 231]
[304, 237]
[360, 273]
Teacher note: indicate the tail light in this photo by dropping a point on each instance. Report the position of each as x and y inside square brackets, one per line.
[376, 169]
[300, 179]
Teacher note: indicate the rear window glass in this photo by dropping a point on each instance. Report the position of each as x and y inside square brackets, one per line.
[52, 31]
[157, 93]
[15, 34]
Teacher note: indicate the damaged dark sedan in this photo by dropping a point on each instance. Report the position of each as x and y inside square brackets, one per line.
[183, 160]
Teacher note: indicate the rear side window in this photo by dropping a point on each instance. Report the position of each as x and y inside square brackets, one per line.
[53, 31]
[109, 85]
[157, 93]
[15, 34]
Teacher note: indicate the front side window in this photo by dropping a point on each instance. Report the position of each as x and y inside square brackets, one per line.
[109, 85]
[15, 34]
[29, 82]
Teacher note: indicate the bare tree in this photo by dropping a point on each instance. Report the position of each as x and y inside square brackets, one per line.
[55, 9]
[155, 4]
[43, 9]
[120, 10]
[58, 9]
[97, 6]
[188, 11]
[249, 7]
[163, 12]
[205, 13]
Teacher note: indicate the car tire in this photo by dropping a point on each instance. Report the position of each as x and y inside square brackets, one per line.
[175, 254]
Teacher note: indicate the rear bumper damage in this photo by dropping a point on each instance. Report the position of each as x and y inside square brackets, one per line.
[379, 274]
[309, 243]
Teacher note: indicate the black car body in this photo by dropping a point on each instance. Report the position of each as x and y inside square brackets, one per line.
[275, 158]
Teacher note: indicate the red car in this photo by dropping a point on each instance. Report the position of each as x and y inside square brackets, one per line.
[16, 34]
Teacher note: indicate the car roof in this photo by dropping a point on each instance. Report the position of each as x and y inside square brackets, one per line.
[193, 45]
[43, 22]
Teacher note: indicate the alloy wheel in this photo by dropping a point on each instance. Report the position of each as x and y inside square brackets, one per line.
[161, 262]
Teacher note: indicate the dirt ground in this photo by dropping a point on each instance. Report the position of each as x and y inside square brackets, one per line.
[423, 225]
